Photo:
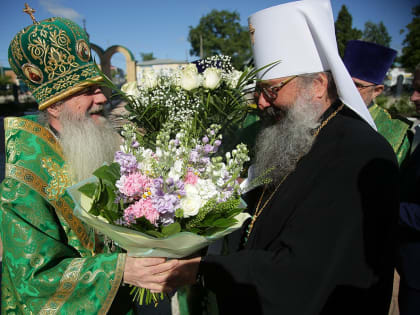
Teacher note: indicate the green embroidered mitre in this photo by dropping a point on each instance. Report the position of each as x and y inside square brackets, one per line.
[53, 58]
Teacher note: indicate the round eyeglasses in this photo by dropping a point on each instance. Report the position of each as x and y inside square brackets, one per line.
[270, 92]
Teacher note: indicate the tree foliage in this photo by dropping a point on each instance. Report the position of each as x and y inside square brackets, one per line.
[220, 32]
[5, 79]
[376, 33]
[411, 51]
[147, 56]
[344, 30]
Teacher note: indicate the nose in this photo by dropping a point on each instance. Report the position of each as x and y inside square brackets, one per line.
[262, 102]
[99, 97]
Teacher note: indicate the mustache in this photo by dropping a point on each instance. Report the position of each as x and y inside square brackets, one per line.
[272, 114]
[97, 109]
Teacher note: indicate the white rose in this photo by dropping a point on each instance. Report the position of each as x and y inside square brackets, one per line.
[212, 78]
[130, 88]
[191, 202]
[233, 78]
[190, 79]
[149, 79]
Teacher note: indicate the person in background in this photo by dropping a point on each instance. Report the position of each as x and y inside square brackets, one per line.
[409, 249]
[368, 64]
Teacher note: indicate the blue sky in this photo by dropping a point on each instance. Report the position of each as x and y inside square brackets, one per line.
[162, 26]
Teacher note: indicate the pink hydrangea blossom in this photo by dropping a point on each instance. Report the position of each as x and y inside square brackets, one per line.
[134, 184]
[141, 208]
[191, 178]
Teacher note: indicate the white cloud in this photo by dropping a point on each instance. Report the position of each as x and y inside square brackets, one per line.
[56, 9]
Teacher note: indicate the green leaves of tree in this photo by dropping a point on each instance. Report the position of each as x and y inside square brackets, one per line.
[411, 51]
[220, 33]
[344, 30]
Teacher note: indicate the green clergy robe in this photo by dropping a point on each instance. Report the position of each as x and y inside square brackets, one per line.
[393, 130]
[50, 264]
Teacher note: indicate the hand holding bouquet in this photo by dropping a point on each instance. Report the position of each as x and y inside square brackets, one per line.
[166, 202]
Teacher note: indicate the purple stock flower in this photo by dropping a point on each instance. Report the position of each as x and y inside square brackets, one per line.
[194, 156]
[208, 148]
[217, 143]
[135, 144]
[205, 139]
[169, 181]
[127, 161]
[167, 218]
[205, 160]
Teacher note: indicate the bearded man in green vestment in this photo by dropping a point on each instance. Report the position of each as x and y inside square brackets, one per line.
[52, 262]
[367, 64]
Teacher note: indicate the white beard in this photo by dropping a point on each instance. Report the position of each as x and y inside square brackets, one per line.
[282, 144]
[86, 144]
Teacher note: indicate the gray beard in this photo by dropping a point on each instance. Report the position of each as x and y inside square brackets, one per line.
[281, 144]
[87, 144]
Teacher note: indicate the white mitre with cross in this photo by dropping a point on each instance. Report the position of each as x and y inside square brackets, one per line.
[301, 36]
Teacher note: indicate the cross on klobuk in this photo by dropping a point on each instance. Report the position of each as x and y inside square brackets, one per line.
[30, 11]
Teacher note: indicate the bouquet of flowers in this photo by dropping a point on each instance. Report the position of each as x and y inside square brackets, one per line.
[169, 201]
[210, 91]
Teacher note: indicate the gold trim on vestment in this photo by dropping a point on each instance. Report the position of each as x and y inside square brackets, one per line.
[36, 183]
[65, 289]
[36, 129]
[69, 92]
[115, 285]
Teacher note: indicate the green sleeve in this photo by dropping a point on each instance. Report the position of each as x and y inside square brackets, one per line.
[42, 272]
[403, 150]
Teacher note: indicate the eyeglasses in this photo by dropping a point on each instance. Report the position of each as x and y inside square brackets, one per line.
[361, 86]
[270, 93]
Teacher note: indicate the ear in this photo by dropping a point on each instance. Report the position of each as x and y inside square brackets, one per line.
[320, 86]
[54, 111]
[377, 90]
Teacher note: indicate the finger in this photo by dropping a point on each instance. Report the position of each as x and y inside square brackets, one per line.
[151, 261]
[167, 266]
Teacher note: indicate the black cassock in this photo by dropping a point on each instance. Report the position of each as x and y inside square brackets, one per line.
[324, 244]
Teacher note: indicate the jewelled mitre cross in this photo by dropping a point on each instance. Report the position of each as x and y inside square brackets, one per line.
[30, 11]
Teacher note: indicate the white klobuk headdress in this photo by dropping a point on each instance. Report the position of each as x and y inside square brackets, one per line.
[300, 35]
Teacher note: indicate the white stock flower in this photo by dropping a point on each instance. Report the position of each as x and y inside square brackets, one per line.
[212, 78]
[147, 160]
[191, 202]
[130, 88]
[206, 189]
[190, 78]
[176, 171]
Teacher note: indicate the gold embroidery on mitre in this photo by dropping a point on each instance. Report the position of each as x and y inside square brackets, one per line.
[60, 178]
[252, 32]
[33, 73]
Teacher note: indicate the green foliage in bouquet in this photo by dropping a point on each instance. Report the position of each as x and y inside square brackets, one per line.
[103, 193]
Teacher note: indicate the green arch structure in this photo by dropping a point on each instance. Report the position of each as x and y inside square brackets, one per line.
[105, 60]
